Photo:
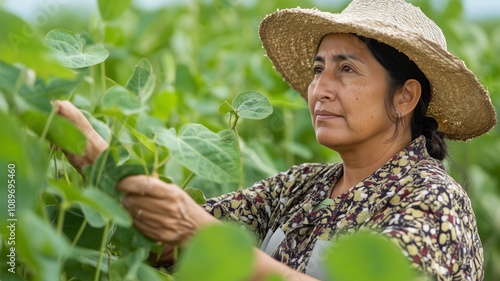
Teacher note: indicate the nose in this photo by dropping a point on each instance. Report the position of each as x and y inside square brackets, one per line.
[323, 88]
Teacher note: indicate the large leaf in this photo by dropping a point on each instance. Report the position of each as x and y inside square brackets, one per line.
[251, 105]
[72, 50]
[61, 132]
[209, 155]
[367, 256]
[42, 250]
[142, 82]
[111, 9]
[25, 160]
[217, 252]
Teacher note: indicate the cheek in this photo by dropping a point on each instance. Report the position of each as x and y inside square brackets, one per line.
[310, 99]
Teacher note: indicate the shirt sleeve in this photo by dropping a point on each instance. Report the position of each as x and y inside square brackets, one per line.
[260, 205]
[436, 228]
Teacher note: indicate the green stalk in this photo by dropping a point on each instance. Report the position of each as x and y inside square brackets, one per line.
[60, 216]
[49, 122]
[79, 233]
[55, 164]
[101, 251]
[101, 168]
[103, 77]
[65, 173]
[187, 180]
[92, 85]
[235, 122]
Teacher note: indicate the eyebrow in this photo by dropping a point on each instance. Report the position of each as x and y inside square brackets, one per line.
[337, 58]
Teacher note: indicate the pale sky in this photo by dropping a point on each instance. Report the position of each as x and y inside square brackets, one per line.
[27, 8]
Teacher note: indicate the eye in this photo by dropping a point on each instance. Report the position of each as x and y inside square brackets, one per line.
[317, 69]
[346, 68]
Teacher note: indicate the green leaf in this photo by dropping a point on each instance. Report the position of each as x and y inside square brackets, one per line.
[212, 156]
[42, 93]
[120, 101]
[225, 108]
[9, 77]
[61, 132]
[196, 194]
[101, 128]
[97, 206]
[91, 236]
[252, 105]
[149, 273]
[217, 252]
[142, 82]
[72, 50]
[111, 9]
[367, 256]
[82, 262]
[41, 250]
[20, 43]
[107, 207]
[130, 239]
[22, 81]
[28, 159]
[144, 140]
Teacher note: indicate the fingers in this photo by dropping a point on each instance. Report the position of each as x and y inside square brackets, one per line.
[69, 111]
[162, 211]
[147, 185]
[161, 224]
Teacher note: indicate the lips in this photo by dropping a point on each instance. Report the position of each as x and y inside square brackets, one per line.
[325, 115]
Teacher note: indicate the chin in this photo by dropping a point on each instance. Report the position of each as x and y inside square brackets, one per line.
[329, 140]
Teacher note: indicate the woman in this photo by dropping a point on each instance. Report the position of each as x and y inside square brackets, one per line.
[384, 93]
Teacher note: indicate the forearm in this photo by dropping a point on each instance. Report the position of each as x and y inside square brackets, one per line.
[265, 265]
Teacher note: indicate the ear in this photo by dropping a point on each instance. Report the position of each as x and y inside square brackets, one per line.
[406, 99]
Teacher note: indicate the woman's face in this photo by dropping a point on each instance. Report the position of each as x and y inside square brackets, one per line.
[347, 95]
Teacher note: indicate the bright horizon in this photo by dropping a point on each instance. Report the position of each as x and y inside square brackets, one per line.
[474, 9]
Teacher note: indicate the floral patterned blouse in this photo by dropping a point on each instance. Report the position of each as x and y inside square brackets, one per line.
[411, 200]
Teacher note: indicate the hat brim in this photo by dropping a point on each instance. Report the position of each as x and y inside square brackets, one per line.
[460, 104]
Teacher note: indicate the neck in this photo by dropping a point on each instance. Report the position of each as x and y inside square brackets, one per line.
[363, 161]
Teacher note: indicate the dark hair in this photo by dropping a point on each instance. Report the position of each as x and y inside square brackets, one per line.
[399, 69]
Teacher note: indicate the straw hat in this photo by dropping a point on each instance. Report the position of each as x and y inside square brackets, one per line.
[460, 104]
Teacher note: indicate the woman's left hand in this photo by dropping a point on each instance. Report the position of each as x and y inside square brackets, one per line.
[162, 211]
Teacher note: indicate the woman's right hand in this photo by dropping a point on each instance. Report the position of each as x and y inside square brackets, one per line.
[95, 143]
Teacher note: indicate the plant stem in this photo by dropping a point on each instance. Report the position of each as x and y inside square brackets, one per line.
[79, 233]
[103, 77]
[101, 168]
[60, 216]
[92, 86]
[233, 125]
[155, 166]
[101, 251]
[49, 121]
[65, 173]
[55, 165]
[187, 180]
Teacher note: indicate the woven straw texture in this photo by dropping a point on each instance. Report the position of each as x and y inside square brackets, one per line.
[460, 104]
